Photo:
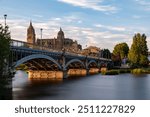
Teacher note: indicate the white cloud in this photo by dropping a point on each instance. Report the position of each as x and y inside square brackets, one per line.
[56, 19]
[137, 17]
[144, 3]
[110, 27]
[91, 4]
[37, 15]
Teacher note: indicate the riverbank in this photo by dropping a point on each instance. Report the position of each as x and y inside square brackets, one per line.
[121, 71]
[115, 71]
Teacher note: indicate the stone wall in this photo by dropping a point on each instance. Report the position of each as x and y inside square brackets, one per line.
[93, 71]
[45, 75]
[77, 72]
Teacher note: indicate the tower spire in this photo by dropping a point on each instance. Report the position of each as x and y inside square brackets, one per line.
[30, 22]
[31, 34]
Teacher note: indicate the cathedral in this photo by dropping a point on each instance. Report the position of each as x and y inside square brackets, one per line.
[58, 43]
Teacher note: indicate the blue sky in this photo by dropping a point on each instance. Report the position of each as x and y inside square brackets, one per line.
[102, 23]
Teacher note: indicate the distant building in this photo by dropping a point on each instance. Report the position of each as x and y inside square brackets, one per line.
[91, 51]
[58, 43]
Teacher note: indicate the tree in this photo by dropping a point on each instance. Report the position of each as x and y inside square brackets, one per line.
[121, 49]
[138, 53]
[116, 59]
[105, 53]
[6, 73]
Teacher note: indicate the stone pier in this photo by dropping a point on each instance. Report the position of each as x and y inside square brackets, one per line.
[52, 75]
[93, 71]
[76, 72]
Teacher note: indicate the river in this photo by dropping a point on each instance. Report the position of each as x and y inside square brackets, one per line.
[94, 87]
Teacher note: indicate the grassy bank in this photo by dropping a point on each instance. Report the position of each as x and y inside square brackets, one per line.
[115, 71]
[141, 71]
[121, 71]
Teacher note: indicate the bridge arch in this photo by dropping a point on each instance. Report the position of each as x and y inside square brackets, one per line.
[73, 61]
[92, 61]
[35, 56]
[102, 64]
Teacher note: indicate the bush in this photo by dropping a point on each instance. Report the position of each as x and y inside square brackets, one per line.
[138, 71]
[115, 72]
[22, 67]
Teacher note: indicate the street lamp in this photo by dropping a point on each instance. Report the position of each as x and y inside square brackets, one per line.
[5, 17]
[41, 35]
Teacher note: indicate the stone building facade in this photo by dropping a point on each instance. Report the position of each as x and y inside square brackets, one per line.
[91, 51]
[58, 43]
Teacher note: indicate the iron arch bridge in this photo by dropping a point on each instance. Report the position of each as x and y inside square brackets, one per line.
[42, 58]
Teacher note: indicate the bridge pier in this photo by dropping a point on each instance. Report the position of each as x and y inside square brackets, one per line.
[76, 72]
[65, 74]
[87, 71]
[93, 71]
[52, 75]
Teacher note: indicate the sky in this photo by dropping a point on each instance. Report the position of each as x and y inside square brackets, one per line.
[101, 23]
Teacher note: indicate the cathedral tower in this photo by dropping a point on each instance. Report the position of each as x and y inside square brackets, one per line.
[60, 39]
[31, 34]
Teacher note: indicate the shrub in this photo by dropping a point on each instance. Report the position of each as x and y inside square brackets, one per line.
[138, 71]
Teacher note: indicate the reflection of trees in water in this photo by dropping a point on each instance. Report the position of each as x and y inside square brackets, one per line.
[6, 94]
[141, 87]
[36, 89]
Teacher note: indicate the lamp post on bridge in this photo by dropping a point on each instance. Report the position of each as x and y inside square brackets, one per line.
[41, 36]
[5, 17]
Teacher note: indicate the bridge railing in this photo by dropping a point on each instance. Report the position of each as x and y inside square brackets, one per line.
[21, 44]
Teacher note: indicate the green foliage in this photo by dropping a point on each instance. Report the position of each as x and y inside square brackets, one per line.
[106, 53]
[143, 60]
[141, 71]
[138, 71]
[22, 67]
[116, 59]
[6, 72]
[115, 71]
[110, 72]
[138, 53]
[121, 49]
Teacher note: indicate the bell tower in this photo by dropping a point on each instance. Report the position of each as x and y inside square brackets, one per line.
[31, 34]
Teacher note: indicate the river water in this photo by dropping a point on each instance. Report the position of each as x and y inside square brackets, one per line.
[95, 87]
